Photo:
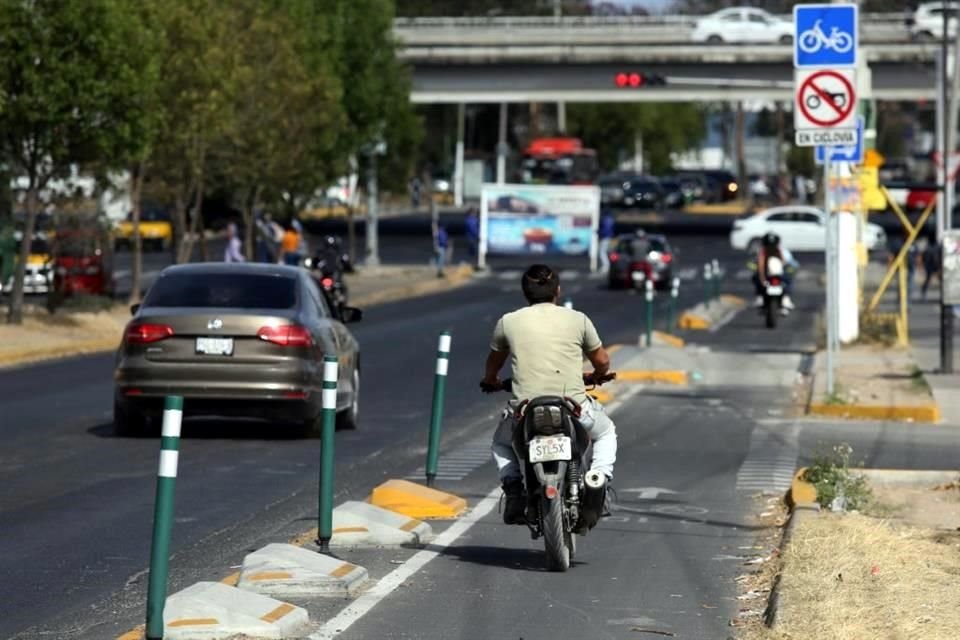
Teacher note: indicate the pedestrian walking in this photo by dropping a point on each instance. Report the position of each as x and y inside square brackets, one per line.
[234, 249]
[416, 188]
[473, 232]
[290, 246]
[441, 241]
[931, 258]
[605, 234]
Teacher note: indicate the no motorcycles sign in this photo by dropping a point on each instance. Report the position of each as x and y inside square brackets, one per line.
[825, 102]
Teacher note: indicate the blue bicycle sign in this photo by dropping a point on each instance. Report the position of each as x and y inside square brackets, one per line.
[826, 35]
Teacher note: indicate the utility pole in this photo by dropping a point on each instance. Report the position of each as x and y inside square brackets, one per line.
[946, 311]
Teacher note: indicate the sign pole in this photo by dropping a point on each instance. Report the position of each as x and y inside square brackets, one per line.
[828, 257]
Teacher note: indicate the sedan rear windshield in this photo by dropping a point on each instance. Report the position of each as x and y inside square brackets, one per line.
[223, 290]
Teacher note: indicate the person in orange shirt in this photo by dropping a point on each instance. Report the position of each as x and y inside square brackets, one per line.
[290, 246]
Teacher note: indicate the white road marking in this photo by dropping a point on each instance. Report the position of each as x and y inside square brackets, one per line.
[772, 459]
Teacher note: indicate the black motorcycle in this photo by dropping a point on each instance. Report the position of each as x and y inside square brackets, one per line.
[564, 500]
[328, 272]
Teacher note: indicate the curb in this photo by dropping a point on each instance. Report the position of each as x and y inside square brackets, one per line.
[664, 376]
[287, 570]
[734, 208]
[669, 339]
[417, 501]
[457, 278]
[907, 477]
[917, 413]
[692, 321]
[798, 512]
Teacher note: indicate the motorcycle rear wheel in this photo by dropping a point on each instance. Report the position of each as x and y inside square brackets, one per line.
[773, 312]
[556, 539]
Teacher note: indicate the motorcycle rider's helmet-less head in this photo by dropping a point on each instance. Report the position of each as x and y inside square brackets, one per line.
[540, 284]
[771, 240]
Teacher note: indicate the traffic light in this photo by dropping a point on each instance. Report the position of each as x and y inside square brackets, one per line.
[636, 80]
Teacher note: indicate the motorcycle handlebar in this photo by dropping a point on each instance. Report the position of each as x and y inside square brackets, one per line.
[588, 379]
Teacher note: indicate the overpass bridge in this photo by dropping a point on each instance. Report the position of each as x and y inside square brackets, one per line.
[575, 59]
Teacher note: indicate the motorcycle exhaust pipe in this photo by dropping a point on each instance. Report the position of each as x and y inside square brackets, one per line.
[594, 494]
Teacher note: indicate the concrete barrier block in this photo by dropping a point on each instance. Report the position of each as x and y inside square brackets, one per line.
[361, 524]
[417, 501]
[289, 570]
[211, 610]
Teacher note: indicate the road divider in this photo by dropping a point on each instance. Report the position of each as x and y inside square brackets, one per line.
[713, 316]
[288, 570]
[329, 402]
[361, 524]
[209, 610]
[416, 501]
[436, 411]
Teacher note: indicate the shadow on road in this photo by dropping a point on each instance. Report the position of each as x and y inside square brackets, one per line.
[499, 557]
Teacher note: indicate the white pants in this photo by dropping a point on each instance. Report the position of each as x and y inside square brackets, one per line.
[594, 419]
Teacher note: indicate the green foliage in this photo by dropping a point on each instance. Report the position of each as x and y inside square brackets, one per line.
[830, 474]
[610, 129]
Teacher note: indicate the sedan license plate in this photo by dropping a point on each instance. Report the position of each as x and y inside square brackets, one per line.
[549, 449]
[215, 346]
[773, 290]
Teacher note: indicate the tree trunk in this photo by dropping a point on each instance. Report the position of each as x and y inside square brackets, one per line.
[15, 313]
[180, 218]
[136, 268]
[249, 205]
[198, 225]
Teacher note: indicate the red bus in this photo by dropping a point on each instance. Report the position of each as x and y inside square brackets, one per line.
[559, 161]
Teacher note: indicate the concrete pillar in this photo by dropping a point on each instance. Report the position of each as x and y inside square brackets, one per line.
[847, 278]
[502, 145]
[458, 159]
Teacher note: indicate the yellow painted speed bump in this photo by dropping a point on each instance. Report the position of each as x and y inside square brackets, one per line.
[416, 501]
[691, 321]
[665, 376]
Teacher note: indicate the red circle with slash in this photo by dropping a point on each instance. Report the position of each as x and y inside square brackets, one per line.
[809, 85]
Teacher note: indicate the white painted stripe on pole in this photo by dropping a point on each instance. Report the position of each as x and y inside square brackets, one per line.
[442, 364]
[172, 419]
[329, 371]
[329, 398]
[444, 343]
[168, 463]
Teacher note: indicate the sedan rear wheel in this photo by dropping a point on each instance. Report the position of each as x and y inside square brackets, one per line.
[348, 419]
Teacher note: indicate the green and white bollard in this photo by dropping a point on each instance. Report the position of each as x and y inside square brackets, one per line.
[568, 304]
[717, 278]
[672, 307]
[707, 284]
[163, 516]
[436, 413]
[648, 296]
[329, 404]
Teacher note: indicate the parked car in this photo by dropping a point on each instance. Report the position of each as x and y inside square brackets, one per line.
[235, 340]
[926, 23]
[695, 186]
[628, 190]
[674, 196]
[743, 25]
[636, 258]
[801, 228]
[721, 185]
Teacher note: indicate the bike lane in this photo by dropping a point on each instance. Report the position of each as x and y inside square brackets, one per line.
[664, 563]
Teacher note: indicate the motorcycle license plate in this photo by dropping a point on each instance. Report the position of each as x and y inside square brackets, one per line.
[774, 290]
[548, 449]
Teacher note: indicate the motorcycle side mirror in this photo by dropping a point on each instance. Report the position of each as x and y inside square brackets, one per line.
[350, 314]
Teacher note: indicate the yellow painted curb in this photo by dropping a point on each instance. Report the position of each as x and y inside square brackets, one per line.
[917, 413]
[134, 634]
[416, 501]
[81, 347]
[690, 321]
[603, 397]
[653, 375]
[670, 339]
[800, 491]
[732, 208]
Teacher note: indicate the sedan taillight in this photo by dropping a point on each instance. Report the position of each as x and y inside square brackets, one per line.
[143, 333]
[287, 335]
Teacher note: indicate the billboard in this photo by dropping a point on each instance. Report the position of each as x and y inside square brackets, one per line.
[539, 220]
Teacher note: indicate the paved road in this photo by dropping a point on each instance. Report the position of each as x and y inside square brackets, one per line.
[76, 502]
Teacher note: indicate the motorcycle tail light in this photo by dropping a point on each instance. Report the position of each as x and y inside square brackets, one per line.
[327, 282]
[614, 256]
[666, 257]
[775, 280]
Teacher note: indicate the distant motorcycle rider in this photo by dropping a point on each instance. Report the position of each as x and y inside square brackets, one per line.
[546, 344]
[770, 247]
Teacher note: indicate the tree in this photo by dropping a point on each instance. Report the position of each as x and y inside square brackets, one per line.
[610, 128]
[64, 66]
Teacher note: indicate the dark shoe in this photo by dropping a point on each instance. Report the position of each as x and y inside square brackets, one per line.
[516, 503]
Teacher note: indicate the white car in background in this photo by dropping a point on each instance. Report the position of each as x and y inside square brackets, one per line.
[801, 228]
[743, 25]
[927, 21]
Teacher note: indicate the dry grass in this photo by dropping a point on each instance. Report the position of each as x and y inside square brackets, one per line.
[851, 577]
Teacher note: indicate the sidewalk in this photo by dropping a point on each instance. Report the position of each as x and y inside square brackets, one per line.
[43, 336]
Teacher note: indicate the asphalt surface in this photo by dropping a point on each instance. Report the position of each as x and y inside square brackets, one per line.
[76, 503]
